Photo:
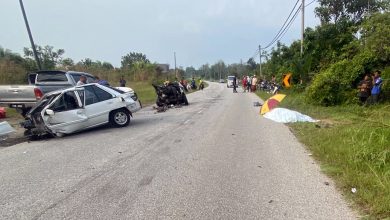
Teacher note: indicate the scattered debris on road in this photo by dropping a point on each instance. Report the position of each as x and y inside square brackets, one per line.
[256, 104]
[5, 129]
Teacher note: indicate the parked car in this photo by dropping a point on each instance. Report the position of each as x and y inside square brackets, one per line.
[24, 97]
[230, 81]
[221, 81]
[78, 108]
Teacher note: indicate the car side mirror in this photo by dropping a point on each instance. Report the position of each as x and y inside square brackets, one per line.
[49, 112]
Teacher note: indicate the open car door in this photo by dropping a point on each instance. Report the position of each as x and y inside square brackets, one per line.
[66, 114]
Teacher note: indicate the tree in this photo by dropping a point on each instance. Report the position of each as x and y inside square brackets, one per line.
[251, 64]
[219, 70]
[190, 71]
[337, 10]
[67, 62]
[131, 58]
[87, 62]
[376, 32]
[107, 66]
[6, 54]
[49, 56]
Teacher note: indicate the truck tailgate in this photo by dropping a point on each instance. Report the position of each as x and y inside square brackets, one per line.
[12, 94]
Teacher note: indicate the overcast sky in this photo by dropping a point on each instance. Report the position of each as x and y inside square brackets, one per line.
[200, 31]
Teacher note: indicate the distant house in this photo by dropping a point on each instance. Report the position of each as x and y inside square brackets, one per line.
[164, 68]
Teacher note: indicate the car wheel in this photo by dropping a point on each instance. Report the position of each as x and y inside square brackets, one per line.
[119, 118]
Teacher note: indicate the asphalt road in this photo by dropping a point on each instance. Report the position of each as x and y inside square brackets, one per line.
[215, 159]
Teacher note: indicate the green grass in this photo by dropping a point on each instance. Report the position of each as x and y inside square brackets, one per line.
[352, 144]
[11, 113]
[145, 92]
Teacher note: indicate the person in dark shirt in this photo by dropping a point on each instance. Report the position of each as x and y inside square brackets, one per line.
[365, 87]
[122, 82]
[235, 84]
[102, 82]
[376, 87]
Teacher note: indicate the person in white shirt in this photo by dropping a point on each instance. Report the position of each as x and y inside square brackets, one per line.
[254, 83]
[82, 81]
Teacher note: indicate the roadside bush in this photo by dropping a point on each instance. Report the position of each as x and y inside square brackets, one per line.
[336, 84]
[386, 84]
[326, 86]
[11, 73]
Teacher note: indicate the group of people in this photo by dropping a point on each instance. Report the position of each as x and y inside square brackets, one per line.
[83, 80]
[192, 84]
[370, 88]
[249, 83]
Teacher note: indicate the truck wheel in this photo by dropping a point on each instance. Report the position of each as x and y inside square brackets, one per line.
[120, 118]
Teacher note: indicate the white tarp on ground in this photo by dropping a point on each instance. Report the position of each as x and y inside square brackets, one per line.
[5, 128]
[283, 115]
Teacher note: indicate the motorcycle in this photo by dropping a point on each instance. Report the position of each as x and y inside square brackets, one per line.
[201, 86]
[170, 94]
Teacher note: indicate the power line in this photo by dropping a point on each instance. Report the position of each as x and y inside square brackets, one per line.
[256, 53]
[282, 33]
[286, 26]
[283, 27]
[310, 3]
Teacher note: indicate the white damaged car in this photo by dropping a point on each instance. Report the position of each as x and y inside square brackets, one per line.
[79, 108]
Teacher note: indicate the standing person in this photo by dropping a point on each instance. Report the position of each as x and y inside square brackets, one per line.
[376, 88]
[273, 79]
[244, 82]
[122, 82]
[102, 81]
[234, 84]
[248, 83]
[193, 83]
[254, 83]
[82, 81]
[182, 82]
[365, 87]
[201, 85]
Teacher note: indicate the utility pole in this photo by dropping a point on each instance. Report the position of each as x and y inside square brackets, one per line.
[303, 25]
[174, 56]
[30, 36]
[261, 74]
[241, 69]
[219, 69]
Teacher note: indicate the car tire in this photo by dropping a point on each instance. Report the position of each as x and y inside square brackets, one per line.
[120, 118]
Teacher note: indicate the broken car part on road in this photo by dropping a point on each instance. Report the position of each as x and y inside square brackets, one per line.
[170, 94]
